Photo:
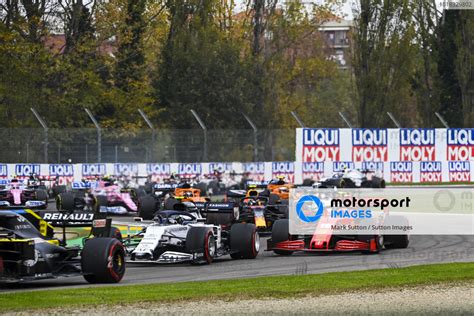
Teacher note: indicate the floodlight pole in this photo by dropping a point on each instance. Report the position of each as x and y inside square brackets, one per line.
[298, 119]
[203, 126]
[255, 137]
[394, 120]
[443, 121]
[99, 134]
[152, 127]
[45, 128]
[344, 118]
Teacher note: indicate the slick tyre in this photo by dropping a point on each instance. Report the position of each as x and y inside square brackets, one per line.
[378, 183]
[146, 207]
[281, 232]
[201, 240]
[396, 241]
[100, 200]
[103, 260]
[42, 195]
[244, 241]
[65, 202]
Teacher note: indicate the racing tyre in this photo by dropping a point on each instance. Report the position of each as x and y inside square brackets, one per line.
[100, 200]
[378, 182]
[396, 241]
[65, 202]
[103, 260]
[281, 232]
[58, 190]
[201, 240]
[273, 199]
[213, 187]
[42, 195]
[307, 182]
[169, 203]
[202, 187]
[244, 241]
[146, 207]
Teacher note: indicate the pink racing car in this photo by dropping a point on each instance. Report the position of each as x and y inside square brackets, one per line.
[103, 196]
[16, 193]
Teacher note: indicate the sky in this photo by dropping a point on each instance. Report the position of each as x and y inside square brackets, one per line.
[345, 9]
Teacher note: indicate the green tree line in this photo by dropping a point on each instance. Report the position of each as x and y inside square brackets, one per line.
[264, 59]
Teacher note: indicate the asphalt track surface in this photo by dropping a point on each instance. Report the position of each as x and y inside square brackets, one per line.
[422, 250]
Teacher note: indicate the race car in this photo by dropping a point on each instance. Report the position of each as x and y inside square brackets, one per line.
[259, 210]
[280, 187]
[17, 193]
[325, 240]
[181, 235]
[27, 253]
[101, 196]
[165, 195]
[352, 178]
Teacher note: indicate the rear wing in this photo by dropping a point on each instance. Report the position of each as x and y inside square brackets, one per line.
[84, 185]
[257, 184]
[220, 213]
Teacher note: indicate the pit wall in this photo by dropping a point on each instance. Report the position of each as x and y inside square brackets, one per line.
[402, 155]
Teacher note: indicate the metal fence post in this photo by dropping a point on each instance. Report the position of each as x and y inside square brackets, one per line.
[443, 121]
[344, 118]
[203, 126]
[99, 134]
[45, 128]
[150, 125]
[298, 119]
[397, 124]
[255, 137]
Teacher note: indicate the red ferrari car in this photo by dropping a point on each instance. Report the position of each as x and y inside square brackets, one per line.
[325, 240]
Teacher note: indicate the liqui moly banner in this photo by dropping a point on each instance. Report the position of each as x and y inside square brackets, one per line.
[369, 144]
[318, 144]
[417, 144]
[254, 170]
[313, 170]
[460, 144]
[158, 171]
[284, 169]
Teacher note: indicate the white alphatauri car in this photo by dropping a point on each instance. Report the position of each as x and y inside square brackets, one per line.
[182, 234]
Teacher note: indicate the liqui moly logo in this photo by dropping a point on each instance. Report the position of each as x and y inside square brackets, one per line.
[430, 171]
[189, 169]
[321, 144]
[369, 144]
[158, 169]
[24, 170]
[125, 168]
[61, 170]
[254, 170]
[284, 169]
[459, 171]
[313, 170]
[340, 166]
[93, 169]
[3, 170]
[460, 143]
[417, 144]
[221, 167]
[372, 165]
[401, 171]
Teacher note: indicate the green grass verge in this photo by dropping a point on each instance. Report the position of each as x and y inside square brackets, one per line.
[275, 286]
